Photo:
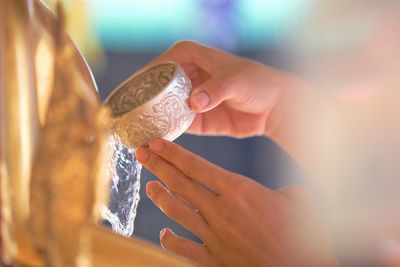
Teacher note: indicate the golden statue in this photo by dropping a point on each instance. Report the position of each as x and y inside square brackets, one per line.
[52, 150]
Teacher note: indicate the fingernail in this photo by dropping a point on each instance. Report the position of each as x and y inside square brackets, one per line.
[142, 154]
[156, 145]
[199, 100]
[151, 187]
[163, 232]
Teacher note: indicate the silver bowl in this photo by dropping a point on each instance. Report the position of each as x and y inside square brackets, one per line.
[151, 104]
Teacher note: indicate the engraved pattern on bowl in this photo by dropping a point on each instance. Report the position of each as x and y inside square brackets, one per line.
[154, 103]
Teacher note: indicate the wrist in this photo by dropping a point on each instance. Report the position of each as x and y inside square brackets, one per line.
[290, 96]
[283, 123]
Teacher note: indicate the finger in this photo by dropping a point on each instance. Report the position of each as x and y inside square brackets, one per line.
[212, 123]
[181, 52]
[210, 94]
[199, 62]
[175, 209]
[219, 122]
[191, 165]
[186, 248]
[175, 180]
[189, 52]
[197, 75]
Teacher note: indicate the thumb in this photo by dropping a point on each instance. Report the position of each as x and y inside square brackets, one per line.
[208, 95]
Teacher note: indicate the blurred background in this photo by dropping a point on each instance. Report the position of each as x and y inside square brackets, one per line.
[119, 37]
[350, 50]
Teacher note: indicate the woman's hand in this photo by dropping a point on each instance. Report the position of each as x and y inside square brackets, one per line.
[233, 96]
[240, 222]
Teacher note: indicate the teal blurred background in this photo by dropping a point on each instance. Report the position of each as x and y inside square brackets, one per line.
[131, 25]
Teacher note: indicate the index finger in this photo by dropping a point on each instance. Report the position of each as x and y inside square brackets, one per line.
[186, 53]
[192, 53]
[191, 165]
[192, 57]
[181, 53]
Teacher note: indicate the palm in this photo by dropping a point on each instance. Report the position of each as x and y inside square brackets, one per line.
[224, 120]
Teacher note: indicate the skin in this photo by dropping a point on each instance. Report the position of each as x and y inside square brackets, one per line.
[233, 96]
[240, 98]
[240, 222]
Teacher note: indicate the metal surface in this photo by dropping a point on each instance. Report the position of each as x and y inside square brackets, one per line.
[27, 57]
[52, 150]
[19, 125]
[153, 103]
[69, 168]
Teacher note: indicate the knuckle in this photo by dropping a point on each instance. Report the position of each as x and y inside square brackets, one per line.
[230, 181]
[221, 87]
[194, 163]
[184, 44]
[174, 185]
[169, 209]
[152, 162]
[244, 203]
[170, 150]
[243, 187]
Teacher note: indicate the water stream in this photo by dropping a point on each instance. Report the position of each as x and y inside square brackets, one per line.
[120, 212]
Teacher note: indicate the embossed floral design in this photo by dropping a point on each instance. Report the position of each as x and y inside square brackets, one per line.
[168, 117]
[140, 89]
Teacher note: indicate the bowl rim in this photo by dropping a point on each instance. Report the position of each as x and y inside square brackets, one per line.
[136, 75]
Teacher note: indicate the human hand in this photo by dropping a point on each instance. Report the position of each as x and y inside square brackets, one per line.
[233, 96]
[240, 222]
